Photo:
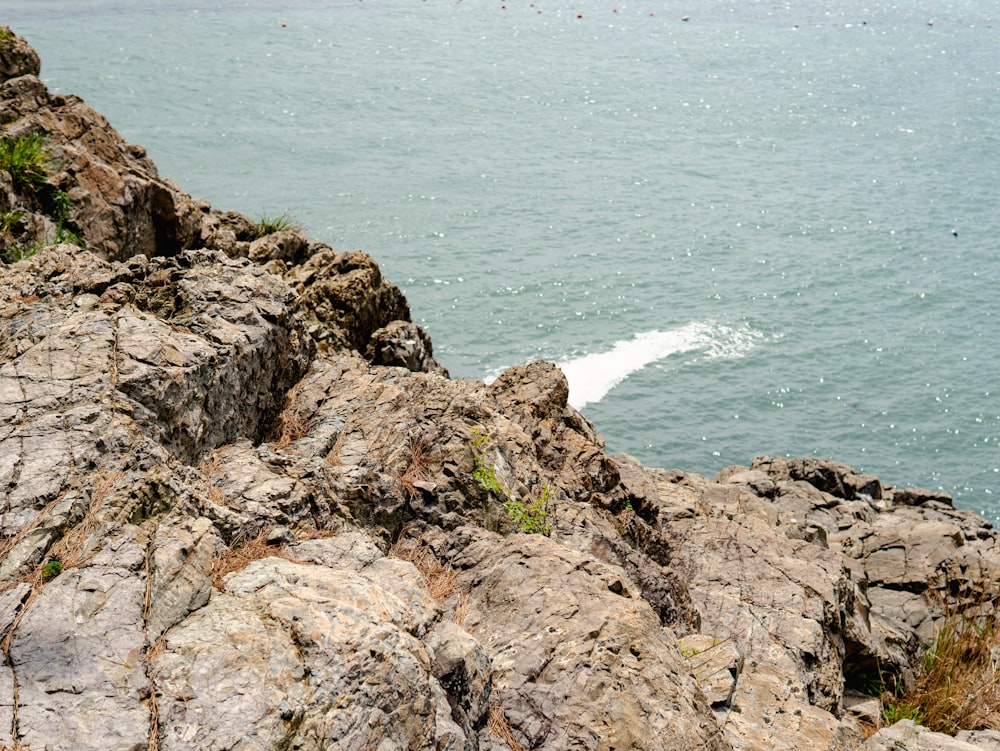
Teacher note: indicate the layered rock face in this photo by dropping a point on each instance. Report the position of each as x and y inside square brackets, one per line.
[244, 508]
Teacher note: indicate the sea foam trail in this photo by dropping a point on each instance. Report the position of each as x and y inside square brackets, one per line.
[592, 376]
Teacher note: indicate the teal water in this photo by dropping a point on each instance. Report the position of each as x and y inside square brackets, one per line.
[735, 232]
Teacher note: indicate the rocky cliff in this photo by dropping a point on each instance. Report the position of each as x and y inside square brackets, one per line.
[244, 508]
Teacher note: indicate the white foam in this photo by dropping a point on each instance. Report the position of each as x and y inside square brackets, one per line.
[592, 376]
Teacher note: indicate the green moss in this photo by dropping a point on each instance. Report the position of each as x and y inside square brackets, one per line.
[51, 570]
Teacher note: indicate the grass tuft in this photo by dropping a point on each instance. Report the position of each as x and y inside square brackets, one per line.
[958, 685]
[25, 158]
[268, 224]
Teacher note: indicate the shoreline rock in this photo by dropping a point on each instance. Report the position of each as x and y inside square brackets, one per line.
[279, 524]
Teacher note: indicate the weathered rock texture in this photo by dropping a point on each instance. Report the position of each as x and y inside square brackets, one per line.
[243, 508]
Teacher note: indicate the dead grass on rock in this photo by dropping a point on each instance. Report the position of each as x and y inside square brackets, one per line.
[461, 609]
[291, 424]
[419, 460]
[441, 579]
[333, 455]
[72, 549]
[240, 554]
[958, 685]
[498, 726]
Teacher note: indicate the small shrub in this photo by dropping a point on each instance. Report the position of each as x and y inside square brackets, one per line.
[51, 570]
[268, 224]
[15, 252]
[25, 159]
[893, 713]
[529, 516]
[9, 220]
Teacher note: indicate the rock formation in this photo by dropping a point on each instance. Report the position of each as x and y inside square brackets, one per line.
[244, 508]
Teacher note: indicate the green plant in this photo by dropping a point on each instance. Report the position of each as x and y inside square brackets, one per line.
[5, 33]
[269, 224]
[9, 219]
[25, 158]
[529, 515]
[63, 234]
[893, 713]
[15, 253]
[51, 570]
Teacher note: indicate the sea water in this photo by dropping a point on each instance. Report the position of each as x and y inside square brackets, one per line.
[740, 227]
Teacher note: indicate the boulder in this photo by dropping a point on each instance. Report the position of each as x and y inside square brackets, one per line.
[406, 345]
[17, 57]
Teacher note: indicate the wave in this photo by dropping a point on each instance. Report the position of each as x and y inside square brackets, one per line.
[592, 376]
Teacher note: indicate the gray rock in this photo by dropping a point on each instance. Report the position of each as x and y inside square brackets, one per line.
[578, 660]
[907, 736]
[988, 740]
[716, 664]
[181, 572]
[228, 677]
[405, 345]
[464, 670]
[77, 654]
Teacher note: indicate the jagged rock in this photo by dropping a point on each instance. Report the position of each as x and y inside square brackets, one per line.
[404, 345]
[834, 478]
[344, 298]
[579, 660]
[77, 654]
[791, 607]
[919, 496]
[864, 707]
[180, 572]
[287, 245]
[464, 669]
[716, 664]
[986, 740]
[17, 58]
[313, 657]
